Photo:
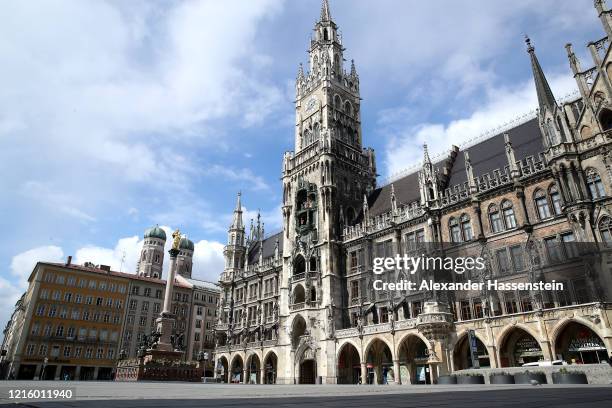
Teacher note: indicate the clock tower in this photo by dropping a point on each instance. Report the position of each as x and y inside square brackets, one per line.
[325, 180]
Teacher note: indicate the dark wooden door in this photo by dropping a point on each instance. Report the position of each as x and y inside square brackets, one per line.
[307, 372]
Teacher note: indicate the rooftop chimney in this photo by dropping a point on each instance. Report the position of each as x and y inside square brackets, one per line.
[69, 260]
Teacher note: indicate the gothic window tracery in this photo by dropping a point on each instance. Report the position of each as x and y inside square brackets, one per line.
[348, 109]
[555, 199]
[605, 230]
[541, 203]
[455, 232]
[466, 227]
[508, 213]
[596, 187]
[495, 219]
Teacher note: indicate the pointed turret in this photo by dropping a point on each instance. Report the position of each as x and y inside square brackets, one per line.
[546, 99]
[325, 14]
[428, 180]
[366, 211]
[469, 171]
[427, 164]
[234, 251]
[514, 170]
[237, 221]
[300, 74]
[604, 15]
[393, 200]
[353, 69]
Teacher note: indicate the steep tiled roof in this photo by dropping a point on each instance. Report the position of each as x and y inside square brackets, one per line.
[486, 155]
[268, 247]
[489, 154]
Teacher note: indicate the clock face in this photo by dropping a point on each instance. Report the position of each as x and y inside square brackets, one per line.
[311, 105]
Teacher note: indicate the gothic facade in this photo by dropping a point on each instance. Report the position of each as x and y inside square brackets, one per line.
[533, 200]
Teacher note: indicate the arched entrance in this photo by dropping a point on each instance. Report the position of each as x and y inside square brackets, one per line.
[237, 370]
[576, 343]
[462, 357]
[349, 366]
[253, 370]
[379, 363]
[222, 369]
[518, 348]
[414, 361]
[270, 364]
[308, 371]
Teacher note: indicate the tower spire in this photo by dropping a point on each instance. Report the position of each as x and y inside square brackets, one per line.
[325, 14]
[426, 158]
[546, 99]
[237, 221]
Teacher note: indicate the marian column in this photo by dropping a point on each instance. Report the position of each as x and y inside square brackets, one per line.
[166, 317]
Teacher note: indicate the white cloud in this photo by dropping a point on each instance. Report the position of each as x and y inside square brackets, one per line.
[123, 257]
[116, 92]
[500, 106]
[208, 260]
[23, 263]
[57, 200]
[253, 181]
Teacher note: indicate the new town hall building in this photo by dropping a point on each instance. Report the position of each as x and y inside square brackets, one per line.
[533, 201]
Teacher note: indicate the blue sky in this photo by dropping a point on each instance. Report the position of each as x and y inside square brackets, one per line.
[115, 115]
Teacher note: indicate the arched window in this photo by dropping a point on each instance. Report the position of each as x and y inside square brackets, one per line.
[495, 219]
[348, 109]
[555, 199]
[350, 215]
[313, 264]
[595, 185]
[455, 231]
[337, 102]
[605, 118]
[541, 203]
[307, 138]
[299, 265]
[466, 227]
[508, 212]
[605, 230]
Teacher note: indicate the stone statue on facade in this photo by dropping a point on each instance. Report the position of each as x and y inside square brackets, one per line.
[275, 311]
[331, 326]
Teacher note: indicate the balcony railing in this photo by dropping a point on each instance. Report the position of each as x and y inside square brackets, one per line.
[301, 305]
